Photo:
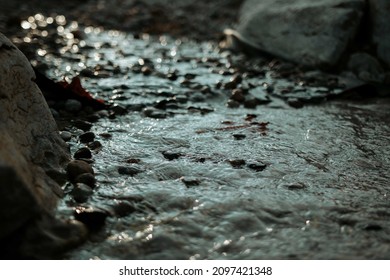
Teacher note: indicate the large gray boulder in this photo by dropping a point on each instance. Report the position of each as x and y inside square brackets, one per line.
[380, 20]
[32, 154]
[312, 33]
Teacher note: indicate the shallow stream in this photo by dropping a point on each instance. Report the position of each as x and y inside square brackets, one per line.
[191, 178]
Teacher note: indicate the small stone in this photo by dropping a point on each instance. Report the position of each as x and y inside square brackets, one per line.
[73, 105]
[296, 186]
[232, 104]
[106, 135]
[87, 137]
[237, 163]
[119, 110]
[238, 95]
[250, 103]
[87, 179]
[146, 70]
[239, 136]
[133, 160]
[190, 181]
[295, 103]
[128, 170]
[257, 166]
[93, 218]
[83, 152]
[66, 135]
[171, 155]
[81, 192]
[190, 76]
[95, 145]
[154, 113]
[78, 167]
[230, 85]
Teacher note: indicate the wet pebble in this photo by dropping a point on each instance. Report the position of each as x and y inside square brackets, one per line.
[190, 76]
[296, 186]
[66, 135]
[83, 152]
[78, 167]
[87, 179]
[93, 218]
[83, 125]
[154, 113]
[146, 70]
[87, 137]
[181, 98]
[232, 104]
[95, 145]
[230, 85]
[81, 192]
[237, 163]
[257, 166]
[190, 181]
[250, 103]
[171, 155]
[73, 105]
[133, 160]
[295, 103]
[239, 136]
[119, 110]
[129, 170]
[106, 135]
[238, 95]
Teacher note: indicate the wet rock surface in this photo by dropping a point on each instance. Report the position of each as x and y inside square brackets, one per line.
[32, 158]
[299, 172]
[317, 34]
[312, 33]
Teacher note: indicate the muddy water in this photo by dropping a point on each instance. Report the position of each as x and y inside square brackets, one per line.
[212, 182]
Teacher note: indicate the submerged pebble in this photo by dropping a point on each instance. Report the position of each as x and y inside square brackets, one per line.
[81, 192]
[129, 170]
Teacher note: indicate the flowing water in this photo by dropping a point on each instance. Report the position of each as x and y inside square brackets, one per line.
[213, 182]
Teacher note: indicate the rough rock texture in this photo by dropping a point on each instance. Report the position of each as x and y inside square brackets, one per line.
[312, 33]
[30, 146]
[380, 20]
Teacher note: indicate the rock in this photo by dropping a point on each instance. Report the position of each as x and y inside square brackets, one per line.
[81, 192]
[171, 155]
[93, 218]
[66, 135]
[379, 14]
[86, 178]
[45, 238]
[83, 125]
[32, 159]
[78, 167]
[30, 144]
[73, 105]
[87, 137]
[83, 152]
[312, 33]
[366, 67]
